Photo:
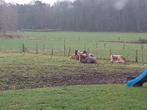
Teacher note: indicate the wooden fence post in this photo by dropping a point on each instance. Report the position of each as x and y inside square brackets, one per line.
[43, 48]
[118, 38]
[124, 45]
[104, 45]
[79, 38]
[88, 49]
[64, 47]
[84, 46]
[69, 52]
[142, 56]
[110, 52]
[96, 45]
[52, 52]
[23, 48]
[136, 56]
[37, 49]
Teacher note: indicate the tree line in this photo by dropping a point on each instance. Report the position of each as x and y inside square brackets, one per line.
[80, 15]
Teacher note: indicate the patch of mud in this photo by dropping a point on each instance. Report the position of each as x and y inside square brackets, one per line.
[39, 81]
[143, 41]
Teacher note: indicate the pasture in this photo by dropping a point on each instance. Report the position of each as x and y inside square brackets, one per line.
[33, 67]
[64, 43]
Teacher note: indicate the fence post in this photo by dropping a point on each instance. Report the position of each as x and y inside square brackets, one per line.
[37, 49]
[142, 52]
[104, 45]
[23, 48]
[69, 52]
[110, 52]
[79, 38]
[136, 57]
[64, 47]
[43, 48]
[118, 38]
[84, 46]
[88, 49]
[124, 45]
[96, 45]
[52, 52]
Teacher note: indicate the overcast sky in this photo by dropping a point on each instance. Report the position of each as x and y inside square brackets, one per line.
[29, 1]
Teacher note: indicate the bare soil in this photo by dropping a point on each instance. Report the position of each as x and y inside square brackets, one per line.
[131, 42]
[39, 81]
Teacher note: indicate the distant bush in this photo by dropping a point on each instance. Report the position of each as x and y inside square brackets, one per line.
[10, 36]
[142, 40]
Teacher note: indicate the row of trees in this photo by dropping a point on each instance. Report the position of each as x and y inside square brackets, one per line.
[80, 15]
[8, 17]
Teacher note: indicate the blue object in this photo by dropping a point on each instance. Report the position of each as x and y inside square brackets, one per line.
[139, 80]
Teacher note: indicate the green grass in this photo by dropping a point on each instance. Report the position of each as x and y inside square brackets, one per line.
[93, 41]
[94, 97]
[18, 63]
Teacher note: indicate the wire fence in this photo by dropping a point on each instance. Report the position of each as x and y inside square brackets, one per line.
[138, 55]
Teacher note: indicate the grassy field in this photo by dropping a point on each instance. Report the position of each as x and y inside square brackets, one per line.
[94, 97]
[96, 42]
[21, 71]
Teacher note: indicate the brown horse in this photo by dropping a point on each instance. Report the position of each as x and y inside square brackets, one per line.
[75, 55]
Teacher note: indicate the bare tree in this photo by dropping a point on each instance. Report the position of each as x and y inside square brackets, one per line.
[2, 15]
[85, 15]
[8, 17]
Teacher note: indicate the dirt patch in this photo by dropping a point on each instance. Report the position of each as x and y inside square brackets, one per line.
[142, 41]
[39, 81]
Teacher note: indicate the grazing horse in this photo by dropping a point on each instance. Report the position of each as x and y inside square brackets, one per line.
[117, 59]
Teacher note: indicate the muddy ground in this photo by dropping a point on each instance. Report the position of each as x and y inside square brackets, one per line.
[39, 81]
[131, 42]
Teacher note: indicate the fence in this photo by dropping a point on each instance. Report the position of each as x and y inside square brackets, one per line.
[137, 55]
